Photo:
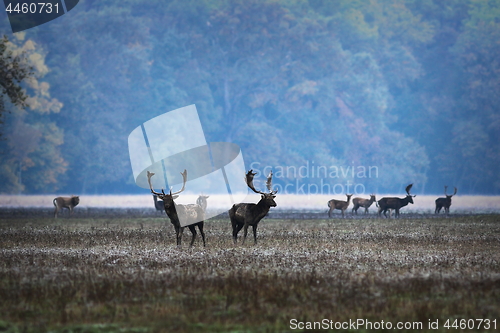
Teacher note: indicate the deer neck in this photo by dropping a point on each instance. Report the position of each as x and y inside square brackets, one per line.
[262, 207]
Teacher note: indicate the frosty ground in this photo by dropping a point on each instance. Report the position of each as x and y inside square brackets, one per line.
[120, 273]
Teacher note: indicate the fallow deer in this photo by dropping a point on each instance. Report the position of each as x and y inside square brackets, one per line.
[65, 202]
[202, 201]
[193, 211]
[444, 202]
[339, 204]
[158, 203]
[365, 203]
[387, 203]
[243, 215]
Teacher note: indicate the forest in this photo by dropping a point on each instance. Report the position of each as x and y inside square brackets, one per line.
[372, 93]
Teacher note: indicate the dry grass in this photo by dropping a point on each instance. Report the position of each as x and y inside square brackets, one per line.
[127, 275]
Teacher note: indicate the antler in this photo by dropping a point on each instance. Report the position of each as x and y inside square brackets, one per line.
[162, 194]
[445, 190]
[249, 181]
[184, 179]
[151, 174]
[269, 183]
[408, 188]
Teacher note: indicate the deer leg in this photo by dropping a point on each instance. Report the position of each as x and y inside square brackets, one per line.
[245, 232]
[179, 230]
[385, 212]
[193, 233]
[330, 212]
[397, 213]
[236, 228]
[200, 226]
[254, 227]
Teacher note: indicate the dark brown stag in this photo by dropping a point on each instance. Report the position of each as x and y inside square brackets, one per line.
[365, 203]
[444, 202]
[193, 211]
[243, 215]
[65, 202]
[338, 204]
[387, 203]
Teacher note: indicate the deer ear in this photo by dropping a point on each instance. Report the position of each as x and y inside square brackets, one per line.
[174, 197]
[262, 196]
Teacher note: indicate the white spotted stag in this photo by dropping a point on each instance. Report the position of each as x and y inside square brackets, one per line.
[365, 203]
[243, 215]
[388, 203]
[193, 212]
[444, 202]
[339, 204]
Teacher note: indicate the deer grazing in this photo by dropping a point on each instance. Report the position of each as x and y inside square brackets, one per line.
[65, 202]
[158, 203]
[193, 212]
[444, 202]
[365, 203]
[387, 203]
[338, 204]
[243, 215]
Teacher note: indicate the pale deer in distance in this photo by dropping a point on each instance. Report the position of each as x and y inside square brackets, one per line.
[243, 215]
[365, 203]
[338, 204]
[444, 202]
[202, 201]
[387, 203]
[158, 203]
[65, 202]
[193, 211]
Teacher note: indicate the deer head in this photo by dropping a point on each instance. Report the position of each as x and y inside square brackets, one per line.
[168, 199]
[267, 197]
[449, 196]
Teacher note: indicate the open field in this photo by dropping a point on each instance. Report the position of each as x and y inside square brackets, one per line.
[122, 274]
[463, 204]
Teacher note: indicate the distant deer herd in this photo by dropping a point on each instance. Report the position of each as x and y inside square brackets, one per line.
[244, 215]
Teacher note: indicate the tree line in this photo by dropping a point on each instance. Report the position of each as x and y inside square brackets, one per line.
[407, 87]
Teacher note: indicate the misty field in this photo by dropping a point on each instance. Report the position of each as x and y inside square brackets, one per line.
[126, 275]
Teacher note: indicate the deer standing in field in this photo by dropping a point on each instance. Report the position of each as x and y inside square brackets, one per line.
[338, 204]
[65, 202]
[444, 202]
[193, 212]
[243, 215]
[202, 201]
[365, 203]
[387, 203]
[158, 203]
